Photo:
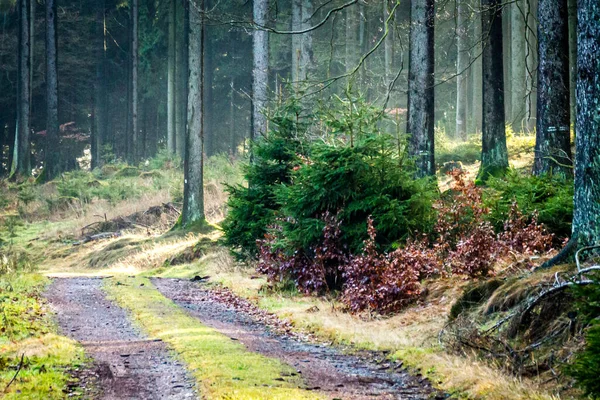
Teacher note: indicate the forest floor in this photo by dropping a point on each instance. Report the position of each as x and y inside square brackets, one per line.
[127, 364]
[162, 314]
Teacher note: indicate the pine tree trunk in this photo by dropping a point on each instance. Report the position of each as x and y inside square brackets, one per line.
[586, 216]
[32, 11]
[531, 63]
[352, 31]
[494, 154]
[572, 4]
[99, 128]
[553, 144]
[21, 162]
[388, 44]
[296, 42]
[506, 60]
[476, 72]
[306, 43]
[3, 142]
[462, 57]
[53, 161]
[518, 67]
[260, 73]
[134, 82]
[181, 70]
[171, 81]
[193, 190]
[420, 87]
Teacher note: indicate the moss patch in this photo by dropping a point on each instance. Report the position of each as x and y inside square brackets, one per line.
[224, 369]
[27, 331]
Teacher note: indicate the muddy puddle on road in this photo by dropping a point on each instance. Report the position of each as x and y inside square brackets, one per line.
[126, 364]
[323, 368]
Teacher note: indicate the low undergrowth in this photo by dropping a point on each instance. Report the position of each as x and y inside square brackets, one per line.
[223, 369]
[31, 352]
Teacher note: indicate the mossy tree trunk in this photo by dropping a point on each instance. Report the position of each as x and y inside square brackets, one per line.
[420, 87]
[586, 217]
[21, 161]
[553, 146]
[494, 154]
[53, 162]
[99, 129]
[193, 188]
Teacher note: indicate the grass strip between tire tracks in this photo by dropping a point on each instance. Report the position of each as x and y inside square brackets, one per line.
[223, 368]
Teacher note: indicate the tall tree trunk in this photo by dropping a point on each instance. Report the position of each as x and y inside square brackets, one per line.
[32, 11]
[553, 141]
[518, 68]
[260, 73]
[388, 44]
[134, 81]
[586, 215]
[21, 162]
[306, 42]
[352, 40]
[100, 112]
[210, 141]
[494, 154]
[3, 142]
[476, 71]
[53, 159]
[420, 87]
[572, 4]
[296, 42]
[181, 70]
[506, 60]
[531, 58]
[171, 81]
[462, 57]
[193, 189]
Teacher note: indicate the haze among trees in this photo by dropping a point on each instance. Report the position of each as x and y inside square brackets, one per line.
[384, 144]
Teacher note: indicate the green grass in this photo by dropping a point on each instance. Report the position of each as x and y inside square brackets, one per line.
[27, 329]
[223, 368]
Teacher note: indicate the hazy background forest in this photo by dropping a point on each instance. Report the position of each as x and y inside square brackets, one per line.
[95, 77]
[415, 179]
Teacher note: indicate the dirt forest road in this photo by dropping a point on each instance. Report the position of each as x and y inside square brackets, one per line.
[129, 365]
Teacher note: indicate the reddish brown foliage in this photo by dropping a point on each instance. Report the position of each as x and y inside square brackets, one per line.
[465, 244]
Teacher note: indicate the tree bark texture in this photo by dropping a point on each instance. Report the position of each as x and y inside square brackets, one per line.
[296, 42]
[193, 188]
[462, 62]
[21, 162]
[99, 128]
[352, 37]
[260, 72]
[586, 216]
[531, 63]
[53, 162]
[135, 129]
[476, 71]
[553, 142]
[182, 71]
[171, 80]
[518, 67]
[572, 4]
[494, 154]
[421, 101]
[388, 44]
